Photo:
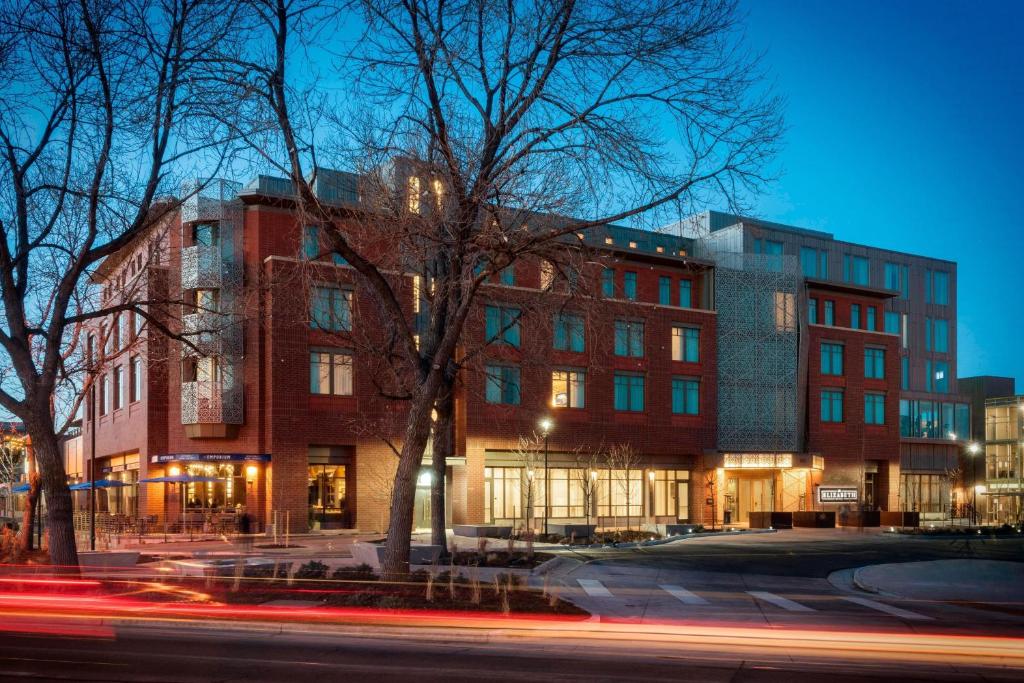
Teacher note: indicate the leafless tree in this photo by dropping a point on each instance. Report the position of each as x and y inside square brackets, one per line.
[622, 460]
[588, 465]
[100, 116]
[503, 117]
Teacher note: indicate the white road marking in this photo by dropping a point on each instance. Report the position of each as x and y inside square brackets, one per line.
[594, 588]
[684, 596]
[779, 601]
[888, 609]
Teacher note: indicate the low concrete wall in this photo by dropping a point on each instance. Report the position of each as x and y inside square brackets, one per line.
[771, 520]
[98, 558]
[482, 530]
[372, 554]
[814, 520]
[897, 518]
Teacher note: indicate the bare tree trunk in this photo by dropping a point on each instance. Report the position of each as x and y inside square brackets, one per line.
[444, 438]
[60, 513]
[28, 516]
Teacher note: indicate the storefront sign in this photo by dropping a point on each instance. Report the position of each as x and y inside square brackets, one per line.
[210, 457]
[838, 494]
[756, 460]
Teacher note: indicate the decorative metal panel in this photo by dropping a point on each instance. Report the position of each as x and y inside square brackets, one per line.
[210, 402]
[212, 334]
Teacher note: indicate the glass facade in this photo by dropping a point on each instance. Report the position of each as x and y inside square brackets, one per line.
[934, 419]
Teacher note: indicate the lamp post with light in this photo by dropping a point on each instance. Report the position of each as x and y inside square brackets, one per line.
[973, 448]
[545, 429]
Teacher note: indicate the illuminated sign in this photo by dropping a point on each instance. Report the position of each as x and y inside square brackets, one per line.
[756, 460]
[210, 457]
[838, 494]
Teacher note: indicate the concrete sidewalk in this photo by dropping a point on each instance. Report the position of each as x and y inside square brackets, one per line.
[985, 581]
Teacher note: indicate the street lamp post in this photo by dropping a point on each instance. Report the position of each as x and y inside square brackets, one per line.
[545, 429]
[973, 449]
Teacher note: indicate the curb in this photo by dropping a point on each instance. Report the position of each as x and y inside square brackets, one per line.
[553, 564]
[861, 584]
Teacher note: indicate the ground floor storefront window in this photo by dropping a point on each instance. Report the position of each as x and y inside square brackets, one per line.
[327, 493]
[671, 494]
[228, 491]
[924, 492]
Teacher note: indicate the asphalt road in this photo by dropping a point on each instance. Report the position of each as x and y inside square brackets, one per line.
[184, 655]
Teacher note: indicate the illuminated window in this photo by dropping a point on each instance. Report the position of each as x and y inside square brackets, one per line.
[686, 344]
[568, 388]
[414, 194]
[416, 293]
[438, 187]
[135, 390]
[609, 240]
[632, 245]
[785, 312]
[330, 373]
[547, 274]
[660, 250]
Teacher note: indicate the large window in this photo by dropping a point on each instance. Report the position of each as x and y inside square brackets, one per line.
[686, 344]
[569, 334]
[568, 388]
[672, 494]
[872, 319]
[897, 278]
[874, 409]
[566, 489]
[503, 493]
[629, 392]
[118, 387]
[502, 325]
[330, 373]
[830, 313]
[772, 251]
[620, 493]
[924, 492]
[814, 263]
[940, 281]
[135, 390]
[933, 419]
[502, 384]
[332, 309]
[665, 291]
[856, 269]
[892, 322]
[855, 316]
[941, 377]
[507, 276]
[629, 285]
[812, 311]
[831, 405]
[940, 335]
[874, 363]
[685, 294]
[685, 396]
[608, 283]
[629, 338]
[310, 242]
[831, 359]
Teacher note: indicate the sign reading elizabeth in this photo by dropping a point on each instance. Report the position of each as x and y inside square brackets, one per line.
[838, 494]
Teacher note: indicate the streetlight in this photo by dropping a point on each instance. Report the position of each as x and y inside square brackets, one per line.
[545, 428]
[973, 448]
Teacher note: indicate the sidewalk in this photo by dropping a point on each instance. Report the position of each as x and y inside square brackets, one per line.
[989, 581]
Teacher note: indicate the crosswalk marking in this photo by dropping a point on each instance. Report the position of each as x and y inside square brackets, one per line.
[780, 601]
[888, 609]
[684, 596]
[594, 588]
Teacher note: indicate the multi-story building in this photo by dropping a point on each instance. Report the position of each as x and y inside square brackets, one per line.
[742, 373]
[1004, 460]
[978, 390]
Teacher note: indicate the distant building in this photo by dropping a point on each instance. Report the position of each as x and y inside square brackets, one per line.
[978, 390]
[1004, 451]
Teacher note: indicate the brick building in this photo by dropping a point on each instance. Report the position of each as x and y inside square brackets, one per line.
[704, 353]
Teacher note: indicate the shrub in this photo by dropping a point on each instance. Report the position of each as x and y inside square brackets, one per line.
[361, 572]
[312, 570]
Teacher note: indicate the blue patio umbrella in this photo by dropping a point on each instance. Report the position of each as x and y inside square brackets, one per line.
[100, 484]
[21, 488]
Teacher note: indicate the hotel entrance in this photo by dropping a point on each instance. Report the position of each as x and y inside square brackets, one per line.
[329, 483]
[748, 492]
[762, 482]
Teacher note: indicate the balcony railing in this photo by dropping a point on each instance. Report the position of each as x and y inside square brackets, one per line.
[210, 402]
[212, 334]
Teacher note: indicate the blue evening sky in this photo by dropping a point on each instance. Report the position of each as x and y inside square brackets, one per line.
[905, 132]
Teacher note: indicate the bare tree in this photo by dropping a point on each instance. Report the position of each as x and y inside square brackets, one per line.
[623, 461]
[588, 465]
[99, 116]
[504, 117]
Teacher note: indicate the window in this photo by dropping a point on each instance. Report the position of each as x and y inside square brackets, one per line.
[809, 261]
[135, 389]
[665, 291]
[414, 194]
[629, 338]
[330, 373]
[874, 363]
[892, 276]
[927, 334]
[812, 311]
[310, 242]
[507, 276]
[831, 405]
[855, 316]
[629, 285]
[904, 282]
[138, 320]
[90, 349]
[569, 332]
[502, 384]
[503, 493]
[619, 493]
[204, 234]
[332, 309]
[105, 395]
[892, 322]
[941, 377]
[502, 325]
[608, 283]
[686, 344]
[547, 274]
[772, 251]
[905, 332]
[927, 375]
[785, 312]
[940, 330]
[856, 269]
[831, 359]
[830, 313]
[118, 387]
[672, 493]
[568, 388]
[874, 409]
[685, 396]
[872, 319]
[941, 288]
[115, 335]
[905, 372]
[932, 419]
[685, 294]
[629, 392]
[565, 487]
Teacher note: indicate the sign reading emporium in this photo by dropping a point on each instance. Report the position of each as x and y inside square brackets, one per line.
[210, 457]
[838, 494]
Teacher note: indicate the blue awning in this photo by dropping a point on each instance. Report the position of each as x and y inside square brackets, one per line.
[100, 484]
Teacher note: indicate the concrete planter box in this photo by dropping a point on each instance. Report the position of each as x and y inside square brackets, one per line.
[771, 520]
[482, 530]
[120, 558]
[670, 529]
[897, 518]
[568, 530]
[372, 554]
[814, 520]
[861, 518]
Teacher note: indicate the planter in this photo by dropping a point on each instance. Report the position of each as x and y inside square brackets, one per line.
[570, 530]
[771, 520]
[670, 529]
[897, 518]
[861, 518]
[814, 520]
[372, 553]
[482, 530]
